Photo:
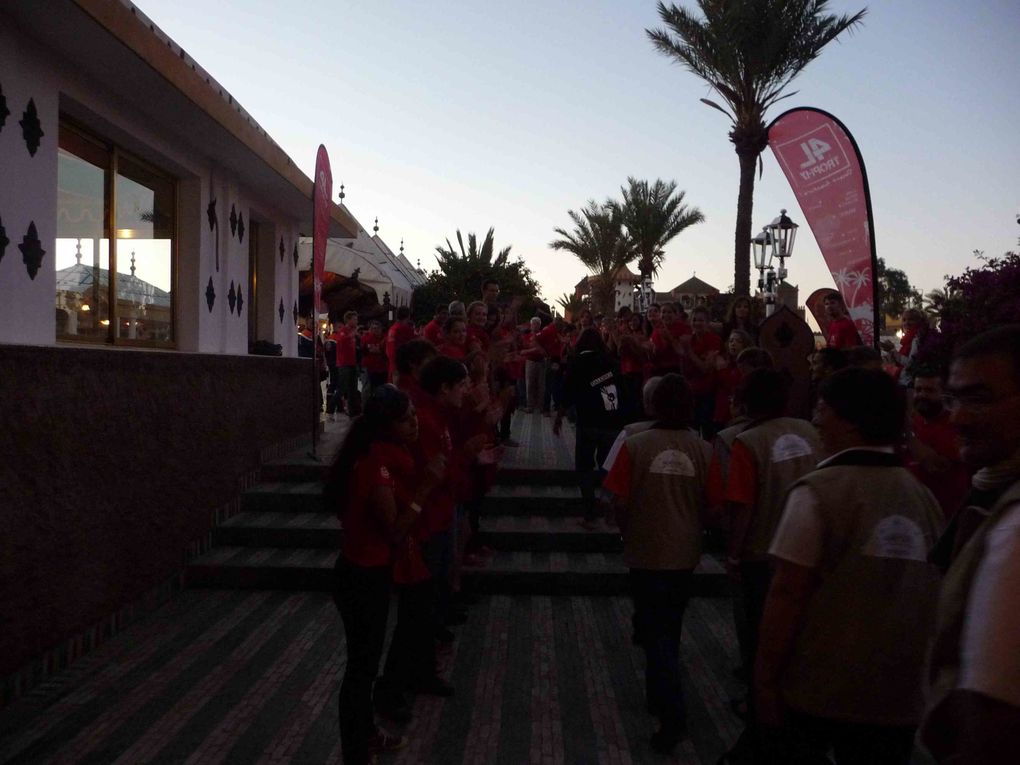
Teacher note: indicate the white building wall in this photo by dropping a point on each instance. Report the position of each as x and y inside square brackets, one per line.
[28, 193]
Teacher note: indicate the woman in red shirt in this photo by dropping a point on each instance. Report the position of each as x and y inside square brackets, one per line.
[666, 345]
[700, 352]
[373, 355]
[373, 488]
[728, 376]
[455, 334]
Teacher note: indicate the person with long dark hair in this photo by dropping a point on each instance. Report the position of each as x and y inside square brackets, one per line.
[374, 488]
[740, 315]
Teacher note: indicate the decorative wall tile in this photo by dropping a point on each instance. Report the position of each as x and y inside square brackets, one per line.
[233, 221]
[282, 310]
[4, 241]
[4, 111]
[295, 254]
[210, 212]
[210, 294]
[240, 227]
[31, 250]
[231, 296]
[295, 311]
[281, 249]
[31, 129]
[240, 299]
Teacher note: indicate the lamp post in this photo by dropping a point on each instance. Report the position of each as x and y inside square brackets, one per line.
[762, 249]
[783, 232]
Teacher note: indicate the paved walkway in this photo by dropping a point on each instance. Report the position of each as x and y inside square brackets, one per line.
[252, 677]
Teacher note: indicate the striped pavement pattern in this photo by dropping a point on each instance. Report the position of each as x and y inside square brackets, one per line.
[252, 677]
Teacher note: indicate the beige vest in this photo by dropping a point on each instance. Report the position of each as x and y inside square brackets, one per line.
[784, 449]
[666, 496]
[944, 672]
[860, 652]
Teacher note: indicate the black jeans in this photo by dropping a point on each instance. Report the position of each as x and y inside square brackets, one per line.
[412, 654]
[591, 447]
[347, 382]
[807, 740]
[362, 595]
[438, 552]
[660, 599]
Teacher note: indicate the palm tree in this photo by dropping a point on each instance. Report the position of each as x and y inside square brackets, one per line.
[653, 215]
[472, 257]
[748, 51]
[571, 303]
[599, 242]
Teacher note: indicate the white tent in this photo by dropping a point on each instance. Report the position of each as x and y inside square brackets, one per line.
[375, 269]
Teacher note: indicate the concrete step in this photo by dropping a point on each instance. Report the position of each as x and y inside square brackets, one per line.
[516, 476]
[283, 497]
[522, 500]
[280, 529]
[508, 572]
[309, 471]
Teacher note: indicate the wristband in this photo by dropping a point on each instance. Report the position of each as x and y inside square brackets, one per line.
[416, 507]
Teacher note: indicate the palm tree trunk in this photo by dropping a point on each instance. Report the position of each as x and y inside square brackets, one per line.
[742, 236]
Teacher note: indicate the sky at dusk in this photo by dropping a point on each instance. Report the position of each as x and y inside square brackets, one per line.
[454, 114]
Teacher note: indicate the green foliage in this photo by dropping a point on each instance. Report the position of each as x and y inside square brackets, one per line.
[599, 242]
[895, 294]
[653, 215]
[462, 271]
[571, 303]
[748, 51]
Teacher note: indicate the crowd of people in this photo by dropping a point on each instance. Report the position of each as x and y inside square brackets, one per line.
[888, 523]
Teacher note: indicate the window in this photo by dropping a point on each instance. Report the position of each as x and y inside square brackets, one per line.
[120, 289]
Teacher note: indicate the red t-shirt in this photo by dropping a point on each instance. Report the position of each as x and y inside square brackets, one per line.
[664, 354]
[701, 346]
[453, 351]
[549, 340]
[951, 486]
[632, 357]
[842, 333]
[433, 332]
[742, 483]
[620, 475]
[366, 540]
[477, 338]
[346, 351]
[434, 439]
[400, 333]
[727, 381]
[373, 356]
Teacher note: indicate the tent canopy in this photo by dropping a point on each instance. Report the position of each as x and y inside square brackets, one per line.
[375, 269]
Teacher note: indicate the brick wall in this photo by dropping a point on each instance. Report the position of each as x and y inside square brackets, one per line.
[112, 463]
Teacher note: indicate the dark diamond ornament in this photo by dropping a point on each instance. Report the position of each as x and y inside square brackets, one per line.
[210, 213]
[210, 294]
[31, 129]
[233, 221]
[240, 227]
[281, 249]
[282, 310]
[4, 111]
[4, 241]
[295, 254]
[31, 250]
[295, 312]
[232, 297]
[240, 300]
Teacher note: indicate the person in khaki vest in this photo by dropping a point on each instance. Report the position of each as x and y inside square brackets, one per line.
[973, 714]
[658, 481]
[849, 613]
[767, 457]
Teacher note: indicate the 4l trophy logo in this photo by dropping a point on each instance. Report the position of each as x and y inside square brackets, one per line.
[815, 158]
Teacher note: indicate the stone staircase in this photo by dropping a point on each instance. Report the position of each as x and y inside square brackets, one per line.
[284, 538]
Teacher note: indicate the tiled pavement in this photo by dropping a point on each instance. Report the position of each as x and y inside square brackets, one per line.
[252, 677]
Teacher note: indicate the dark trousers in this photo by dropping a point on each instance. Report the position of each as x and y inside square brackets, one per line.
[412, 654]
[591, 447]
[808, 740]
[631, 398]
[660, 599]
[333, 391]
[755, 578]
[553, 386]
[438, 554]
[362, 595]
[347, 387]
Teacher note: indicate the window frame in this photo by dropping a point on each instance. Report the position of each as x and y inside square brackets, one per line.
[115, 154]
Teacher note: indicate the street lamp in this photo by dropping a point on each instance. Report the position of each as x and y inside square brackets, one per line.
[783, 232]
[763, 248]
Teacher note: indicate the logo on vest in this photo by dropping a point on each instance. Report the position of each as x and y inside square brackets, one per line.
[672, 462]
[897, 537]
[790, 447]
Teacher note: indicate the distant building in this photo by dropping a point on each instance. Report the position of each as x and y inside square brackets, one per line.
[689, 294]
[623, 287]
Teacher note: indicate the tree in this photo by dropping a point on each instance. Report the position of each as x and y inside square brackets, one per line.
[894, 291]
[748, 51]
[462, 271]
[571, 303]
[653, 215]
[599, 242]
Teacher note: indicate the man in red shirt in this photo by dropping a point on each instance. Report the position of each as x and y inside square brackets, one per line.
[549, 341]
[433, 331]
[700, 356]
[841, 331]
[935, 447]
[346, 337]
[666, 343]
[401, 332]
[373, 355]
